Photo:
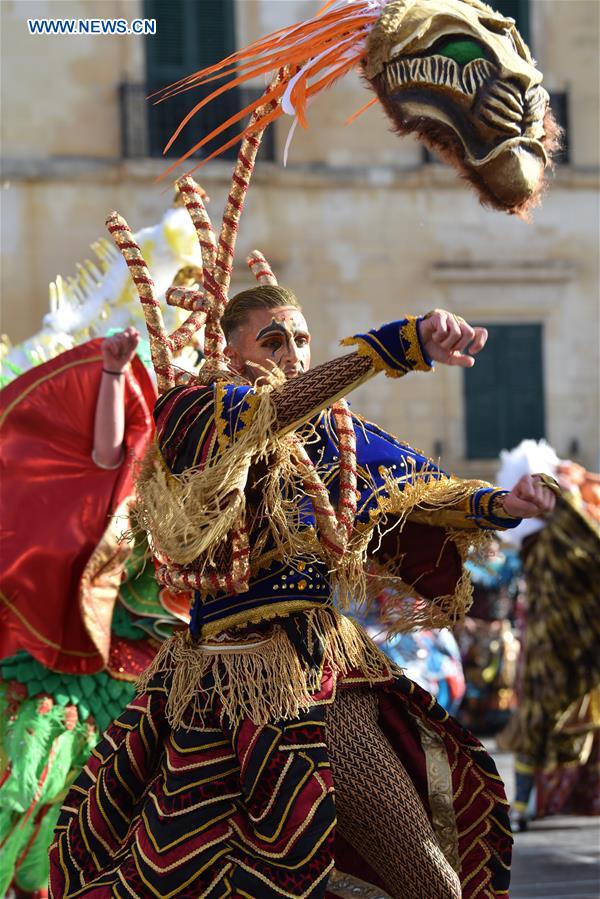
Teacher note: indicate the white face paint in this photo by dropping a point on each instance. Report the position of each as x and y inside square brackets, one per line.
[272, 337]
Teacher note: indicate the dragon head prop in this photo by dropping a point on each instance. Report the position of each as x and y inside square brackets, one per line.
[454, 72]
[459, 76]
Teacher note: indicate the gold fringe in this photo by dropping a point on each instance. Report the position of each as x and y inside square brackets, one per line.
[189, 516]
[364, 348]
[264, 680]
[400, 499]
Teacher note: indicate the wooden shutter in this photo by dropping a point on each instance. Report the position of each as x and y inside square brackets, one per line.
[190, 35]
[504, 391]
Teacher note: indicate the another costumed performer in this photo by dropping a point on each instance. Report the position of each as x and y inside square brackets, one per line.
[554, 732]
[74, 636]
[276, 715]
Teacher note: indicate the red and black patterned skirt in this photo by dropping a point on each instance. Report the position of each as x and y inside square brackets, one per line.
[209, 810]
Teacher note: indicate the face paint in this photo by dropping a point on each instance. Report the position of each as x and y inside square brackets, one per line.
[283, 330]
[274, 337]
[282, 333]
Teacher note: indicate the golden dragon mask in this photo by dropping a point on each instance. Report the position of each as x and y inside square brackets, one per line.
[454, 72]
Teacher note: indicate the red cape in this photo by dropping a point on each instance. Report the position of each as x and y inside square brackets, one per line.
[57, 503]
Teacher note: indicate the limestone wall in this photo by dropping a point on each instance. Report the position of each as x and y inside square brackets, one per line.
[356, 223]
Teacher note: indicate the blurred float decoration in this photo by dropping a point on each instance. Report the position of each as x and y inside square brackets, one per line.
[101, 298]
[555, 730]
[81, 613]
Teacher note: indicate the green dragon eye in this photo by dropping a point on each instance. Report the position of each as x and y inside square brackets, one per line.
[461, 50]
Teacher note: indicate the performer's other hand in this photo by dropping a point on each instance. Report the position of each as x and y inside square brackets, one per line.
[119, 349]
[445, 337]
[529, 498]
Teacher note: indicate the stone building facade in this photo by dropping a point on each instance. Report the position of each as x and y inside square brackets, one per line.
[360, 223]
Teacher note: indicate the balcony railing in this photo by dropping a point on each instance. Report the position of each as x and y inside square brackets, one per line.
[146, 127]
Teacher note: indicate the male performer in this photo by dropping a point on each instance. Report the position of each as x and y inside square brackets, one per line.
[275, 740]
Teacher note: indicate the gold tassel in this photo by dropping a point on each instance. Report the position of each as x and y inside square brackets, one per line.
[264, 679]
[418, 492]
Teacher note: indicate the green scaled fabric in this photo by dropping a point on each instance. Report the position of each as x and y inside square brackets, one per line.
[43, 748]
[99, 695]
[123, 624]
[140, 595]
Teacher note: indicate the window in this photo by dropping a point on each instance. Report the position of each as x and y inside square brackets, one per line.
[504, 392]
[189, 36]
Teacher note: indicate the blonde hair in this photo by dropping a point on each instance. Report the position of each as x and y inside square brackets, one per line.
[263, 296]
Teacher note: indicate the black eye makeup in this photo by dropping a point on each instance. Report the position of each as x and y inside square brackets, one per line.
[274, 327]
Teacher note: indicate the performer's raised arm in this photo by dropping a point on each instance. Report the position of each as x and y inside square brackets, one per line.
[266, 330]
[109, 422]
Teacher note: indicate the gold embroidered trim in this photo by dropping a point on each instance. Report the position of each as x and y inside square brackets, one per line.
[101, 578]
[439, 789]
[252, 401]
[414, 353]
[364, 348]
[254, 616]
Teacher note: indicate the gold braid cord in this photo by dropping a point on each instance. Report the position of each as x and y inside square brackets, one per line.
[335, 529]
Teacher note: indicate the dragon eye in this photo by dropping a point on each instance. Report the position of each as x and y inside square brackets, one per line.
[461, 50]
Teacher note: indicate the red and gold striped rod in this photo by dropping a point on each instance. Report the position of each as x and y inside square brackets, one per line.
[191, 194]
[261, 269]
[188, 298]
[159, 340]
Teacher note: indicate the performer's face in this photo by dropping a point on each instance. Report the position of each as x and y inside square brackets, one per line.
[271, 337]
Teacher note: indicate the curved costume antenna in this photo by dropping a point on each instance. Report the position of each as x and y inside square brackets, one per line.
[159, 342]
[197, 304]
[261, 269]
[193, 200]
[217, 297]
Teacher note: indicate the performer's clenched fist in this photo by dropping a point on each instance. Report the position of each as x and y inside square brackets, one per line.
[119, 349]
[529, 498]
[445, 337]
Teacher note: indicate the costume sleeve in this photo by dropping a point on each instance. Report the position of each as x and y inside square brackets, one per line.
[478, 510]
[193, 422]
[394, 348]
[398, 480]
